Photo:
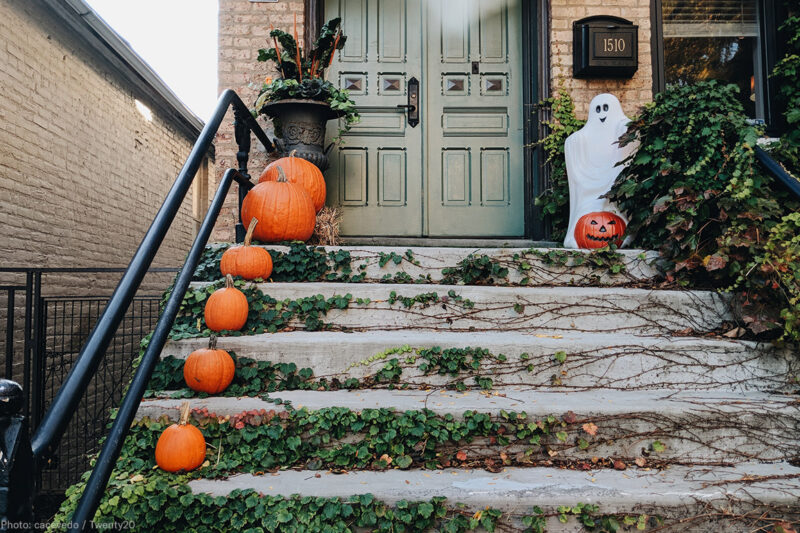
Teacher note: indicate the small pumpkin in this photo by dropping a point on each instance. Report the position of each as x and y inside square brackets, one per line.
[226, 308]
[300, 172]
[595, 230]
[181, 446]
[249, 262]
[284, 210]
[209, 369]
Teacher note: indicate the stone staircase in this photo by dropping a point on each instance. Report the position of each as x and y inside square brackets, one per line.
[563, 391]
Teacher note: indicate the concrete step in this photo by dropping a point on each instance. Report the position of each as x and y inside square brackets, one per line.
[688, 499]
[480, 308]
[695, 427]
[527, 266]
[591, 360]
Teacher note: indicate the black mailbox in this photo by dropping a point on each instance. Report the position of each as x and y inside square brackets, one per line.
[604, 47]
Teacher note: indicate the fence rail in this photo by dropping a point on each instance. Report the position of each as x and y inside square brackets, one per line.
[43, 337]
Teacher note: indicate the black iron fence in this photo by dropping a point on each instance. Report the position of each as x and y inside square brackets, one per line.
[46, 323]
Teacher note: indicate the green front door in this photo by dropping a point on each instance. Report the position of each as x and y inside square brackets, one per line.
[459, 172]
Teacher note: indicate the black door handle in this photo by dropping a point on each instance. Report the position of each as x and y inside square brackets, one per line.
[412, 107]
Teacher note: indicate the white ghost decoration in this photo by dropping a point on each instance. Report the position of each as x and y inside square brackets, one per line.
[592, 154]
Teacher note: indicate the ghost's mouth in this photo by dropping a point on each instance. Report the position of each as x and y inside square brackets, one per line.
[603, 119]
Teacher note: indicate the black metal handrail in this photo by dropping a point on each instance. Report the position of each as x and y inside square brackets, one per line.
[57, 417]
[776, 169]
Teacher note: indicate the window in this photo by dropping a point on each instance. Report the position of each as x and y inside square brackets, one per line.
[713, 39]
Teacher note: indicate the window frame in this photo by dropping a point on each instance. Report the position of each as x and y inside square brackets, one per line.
[770, 49]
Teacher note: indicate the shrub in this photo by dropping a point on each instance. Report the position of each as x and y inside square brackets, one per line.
[694, 191]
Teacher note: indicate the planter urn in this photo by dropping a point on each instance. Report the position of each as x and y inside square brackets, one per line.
[302, 123]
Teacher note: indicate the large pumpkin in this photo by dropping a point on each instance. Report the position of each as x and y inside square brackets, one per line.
[181, 446]
[284, 211]
[300, 172]
[209, 369]
[599, 229]
[249, 262]
[226, 308]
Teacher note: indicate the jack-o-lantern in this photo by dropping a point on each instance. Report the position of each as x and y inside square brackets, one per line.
[596, 230]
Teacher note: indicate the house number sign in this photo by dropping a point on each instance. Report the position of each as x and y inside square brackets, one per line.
[605, 47]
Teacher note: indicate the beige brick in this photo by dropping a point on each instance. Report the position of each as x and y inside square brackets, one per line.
[82, 173]
[633, 93]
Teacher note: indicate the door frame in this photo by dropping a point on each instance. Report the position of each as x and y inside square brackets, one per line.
[535, 88]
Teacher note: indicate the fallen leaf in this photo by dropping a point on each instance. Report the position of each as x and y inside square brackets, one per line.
[385, 458]
[552, 453]
[570, 417]
[735, 333]
[620, 465]
[640, 461]
[590, 428]
[461, 455]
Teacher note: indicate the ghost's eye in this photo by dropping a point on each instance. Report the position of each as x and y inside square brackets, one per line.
[605, 107]
[597, 109]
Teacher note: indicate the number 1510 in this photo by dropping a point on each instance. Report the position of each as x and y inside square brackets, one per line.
[612, 44]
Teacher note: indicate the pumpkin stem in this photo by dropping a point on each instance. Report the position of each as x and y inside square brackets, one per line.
[228, 281]
[281, 175]
[250, 229]
[293, 153]
[184, 413]
[212, 342]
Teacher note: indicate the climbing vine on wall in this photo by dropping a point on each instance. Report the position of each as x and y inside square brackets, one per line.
[554, 200]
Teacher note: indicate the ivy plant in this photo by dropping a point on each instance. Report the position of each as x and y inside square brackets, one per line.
[707, 206]
[553, 202]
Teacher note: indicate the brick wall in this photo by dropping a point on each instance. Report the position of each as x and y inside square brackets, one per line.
[82, 172]
[632, 93]
[244, 28]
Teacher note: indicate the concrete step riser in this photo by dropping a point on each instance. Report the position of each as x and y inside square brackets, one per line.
[702, 429]
[430, 262]
[517, 309]
[715, 498]
[592, 361]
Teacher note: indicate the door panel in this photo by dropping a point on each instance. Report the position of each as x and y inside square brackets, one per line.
[460, 171]
[375, 176]
[478, 114]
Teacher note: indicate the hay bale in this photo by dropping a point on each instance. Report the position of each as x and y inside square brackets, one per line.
[326, 230]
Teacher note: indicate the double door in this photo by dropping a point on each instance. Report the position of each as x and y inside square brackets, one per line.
[438, 150]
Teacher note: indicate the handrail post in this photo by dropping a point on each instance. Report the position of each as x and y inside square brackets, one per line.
[241, 131]
[16, 466]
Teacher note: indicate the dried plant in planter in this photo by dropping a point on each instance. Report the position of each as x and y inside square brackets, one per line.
[326, 231]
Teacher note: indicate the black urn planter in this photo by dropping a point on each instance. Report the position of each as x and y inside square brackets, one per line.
[303, 126]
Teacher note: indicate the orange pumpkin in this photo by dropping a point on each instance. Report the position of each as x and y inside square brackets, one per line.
[209, 369]
[226, 308]
[284, 211]
[249, 262]
[599, 229]
[181, 446]
[300, 172]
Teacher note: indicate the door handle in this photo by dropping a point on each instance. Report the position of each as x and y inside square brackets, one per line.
[412, 107]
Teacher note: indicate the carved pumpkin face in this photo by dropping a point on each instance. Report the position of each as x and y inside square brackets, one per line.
[596, 230]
